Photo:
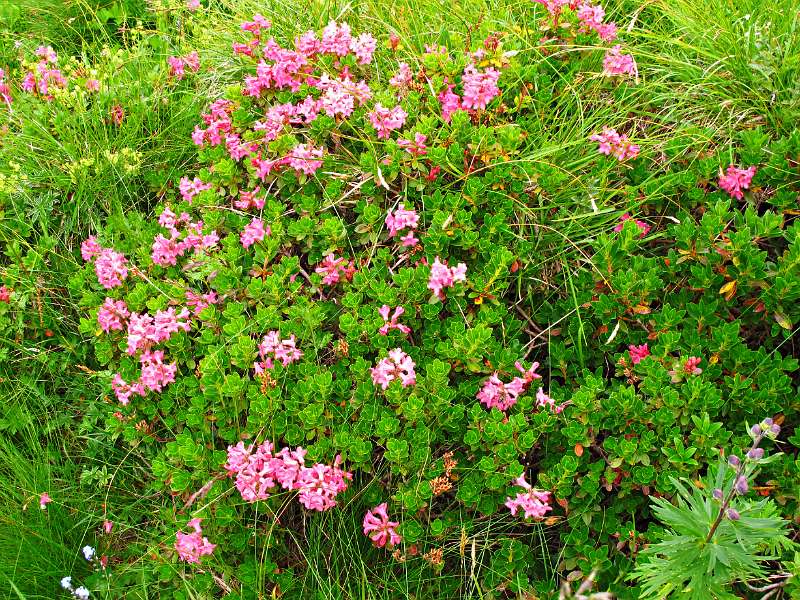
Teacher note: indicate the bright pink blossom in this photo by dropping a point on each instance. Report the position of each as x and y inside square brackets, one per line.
[638, 353]
[496, 394]
[450, 101]
[479, 88]
[190, 188]
[398, 365]
[191, 547]
[5, 294]
[332, 269]
[734, 180]
[111, 268]
[379, 528]
[273, 347]
[112, 315]
[90, 248]
[391, 323]
[403, 77]
[386, 120]
[155, 373]
[336, 39]
[416, 147]
[44, 500]
[617, 63]
[123, 390]
[108, 526]
[612, 143]
[198, 302]
[253, 232]
[363, 47]
[442, 276]
[534, 503]
[400, 219]
[304, 158]
[644, 227]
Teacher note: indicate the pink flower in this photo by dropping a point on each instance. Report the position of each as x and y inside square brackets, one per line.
[253, 232]
[617, 63]
[332, 269]
[385, 120]
[638, 353]
[190, 188]
[255, 26]
[685, 368]
[450, 101]
[191, 547]
[44, 500]
[175, 67]
[92, 85]
[612, 143]
[734, 180]
[379, 528]
[336, 39]
[391, 323]
[5, 294]
[499, 395]
[644, 227]
[304, 158]
[111, 268]
[319, 485]
[90, 248]
[192, 60]
[443, 276]
[416, 147]
[403, 77]
[123, 391]
[591, 18]
[155, 374]
[112, 315]
[363, 47]
[534, 503]
[272, 347]
[192, 4]
[400, 219]
[198, 302]
[479, 88]
[554, 7]
[308, 44]
[398, 365]
[47, 54]
[108, 526]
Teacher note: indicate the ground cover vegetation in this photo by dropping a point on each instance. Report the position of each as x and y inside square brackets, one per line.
[475, 299]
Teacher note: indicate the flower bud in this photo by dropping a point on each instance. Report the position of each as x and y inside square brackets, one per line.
[755, 454]
[733, 514]
[766, 422]
[775, 430]
[741, 485]
[733, 460]
[756, 430]
[717, 493]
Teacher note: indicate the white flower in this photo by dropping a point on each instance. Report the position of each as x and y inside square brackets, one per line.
[81, 593]
[66, 583]
[88, 552]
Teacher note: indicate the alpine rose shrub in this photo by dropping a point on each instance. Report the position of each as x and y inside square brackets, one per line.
[334, 311]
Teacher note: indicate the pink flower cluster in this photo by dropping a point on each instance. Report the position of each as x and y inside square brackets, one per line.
[198, 302]
[178, 65]
[734, 180]
[144, 330]
[403, 77]
[218, 124]
[166, 251]
[273, 347]
[391, 323]
[111, 267]
[681, 369]
[379, 528]
[617, 63]
[333, 269]
[258, 471]
[112, 315]
[385, 120]
[442, 276]
[612, 143]
[497, 394]
[249, 200]
[591, 17]
[192, 546]
[638, 353]
[5, 90]
[534, 503]
[400, 219]
[398, 365]
[5, 294]
[189, 188]
[644, 227]
[480, 88]
[415, 147]
[254, 232]
[43, 77]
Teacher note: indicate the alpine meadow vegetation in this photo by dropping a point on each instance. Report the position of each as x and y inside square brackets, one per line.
[475, 299]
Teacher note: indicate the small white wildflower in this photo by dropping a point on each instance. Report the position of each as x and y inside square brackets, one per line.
[88, 552]
[66, 583]
[81, 593]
